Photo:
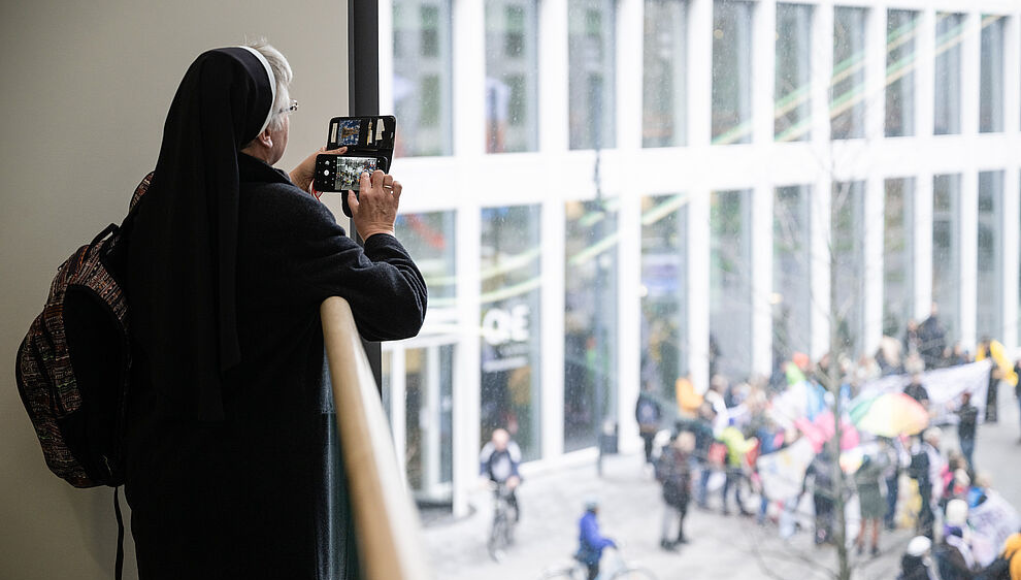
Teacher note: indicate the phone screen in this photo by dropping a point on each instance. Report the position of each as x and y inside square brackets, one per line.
[343, 173]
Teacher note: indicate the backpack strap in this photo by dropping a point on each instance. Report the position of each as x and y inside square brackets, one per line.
[119, 567]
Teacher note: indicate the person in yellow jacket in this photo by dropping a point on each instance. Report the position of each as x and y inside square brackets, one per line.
[737, 447]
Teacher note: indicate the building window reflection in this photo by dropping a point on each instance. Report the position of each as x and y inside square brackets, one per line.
[793, 88]
[949, 35]
[946, 252]
[510, 333]
[792, 266]
[990, 116]
[730, 285]
[989, 321]
[848, 257]
[901, 61]
[898, 255]
[665, 81]
[847, 103]
[422, 89]
[590, 320]
[732, 72]
[512, 68]
[664, 343]
[591, 42]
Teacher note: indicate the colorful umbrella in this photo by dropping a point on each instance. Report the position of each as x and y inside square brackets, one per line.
[889, 415]
[821, 429]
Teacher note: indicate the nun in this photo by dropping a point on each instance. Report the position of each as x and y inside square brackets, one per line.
[230, 467]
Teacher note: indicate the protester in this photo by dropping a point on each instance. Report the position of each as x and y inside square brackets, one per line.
[932, 340]
[916, 564]
[499, 461]
[897, 457]
[229, 462]
[1017, 389]
[702, 427]
[917, 391]
[926, 468]
[591, 541]
[820, 473]
[737, 447]
[648, 413]
[673, 471]
[954, 560]
[870, 499]
[967, 420]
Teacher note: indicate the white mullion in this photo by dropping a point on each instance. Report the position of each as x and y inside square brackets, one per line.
[822, 184]
[762, 279]
[925, 75]
[629, 74]
[386, 58]
[552, 328]
[399, 407]
[700, 106]
[469, 62]
[1011, 255]
[467, 376]
[554, 100]
[968, 248]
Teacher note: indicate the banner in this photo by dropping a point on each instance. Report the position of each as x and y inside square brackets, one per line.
[945, 387]
[992, 521]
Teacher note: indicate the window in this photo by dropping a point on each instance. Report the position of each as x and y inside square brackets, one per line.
[898, 255]
[431, 239]
[590, 320]
[989, 321]
[946, 252]
[730, 290]
[422, 77]
[732, 72]
[429, 422]
[664, 343]
[511, 312]
[847, 101]
[793, 87]
[901, 55]
[990, 117]
[848, 257]
[792, 263]
[591, 70]
[512, 98]
[949, 35]
[665, 81]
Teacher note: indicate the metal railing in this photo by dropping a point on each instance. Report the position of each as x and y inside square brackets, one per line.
[385, 519]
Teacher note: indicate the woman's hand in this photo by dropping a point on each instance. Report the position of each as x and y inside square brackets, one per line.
[302, 174]
[374, 210]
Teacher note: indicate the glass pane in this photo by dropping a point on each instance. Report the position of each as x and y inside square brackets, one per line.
[792, 265]
[793, 92]
[946, 261]
[591, 51]
[730, 289]
[429, 238]
[422, 77]
[991, 86]
[732, 72]
[847, 100]
[665, 86]
[512, 68]
[901, 33]
[989, 322]
[429, 421]
[848, 257]
[664, 344]
[898, 256]
[511, 311]
[590, 320]
[949, 34]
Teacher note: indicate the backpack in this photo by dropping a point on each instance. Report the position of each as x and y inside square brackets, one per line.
[72, 367]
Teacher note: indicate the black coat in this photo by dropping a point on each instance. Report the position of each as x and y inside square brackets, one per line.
[250, 497]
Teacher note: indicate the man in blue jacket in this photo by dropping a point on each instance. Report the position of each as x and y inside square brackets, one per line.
[591, 542]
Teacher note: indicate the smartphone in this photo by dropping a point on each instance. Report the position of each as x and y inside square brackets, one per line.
[363, 134]
[343, 173]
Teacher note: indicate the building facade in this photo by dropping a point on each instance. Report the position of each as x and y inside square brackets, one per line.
[609, 193]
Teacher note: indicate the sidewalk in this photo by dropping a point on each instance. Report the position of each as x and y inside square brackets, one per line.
[722, 548]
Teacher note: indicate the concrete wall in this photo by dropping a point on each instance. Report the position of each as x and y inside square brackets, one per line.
[86, 87]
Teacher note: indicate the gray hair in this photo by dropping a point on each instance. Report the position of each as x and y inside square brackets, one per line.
[282, 71]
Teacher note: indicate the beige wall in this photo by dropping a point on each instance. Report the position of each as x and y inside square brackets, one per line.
[86, 86]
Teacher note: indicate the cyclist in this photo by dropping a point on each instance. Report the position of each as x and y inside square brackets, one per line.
[499, 462]
[591, 542]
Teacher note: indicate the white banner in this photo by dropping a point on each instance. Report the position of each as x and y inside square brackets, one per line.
[944, 386]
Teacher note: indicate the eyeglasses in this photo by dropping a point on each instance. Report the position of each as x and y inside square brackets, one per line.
[290, 108]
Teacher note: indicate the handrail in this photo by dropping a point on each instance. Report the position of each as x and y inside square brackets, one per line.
[385, 520]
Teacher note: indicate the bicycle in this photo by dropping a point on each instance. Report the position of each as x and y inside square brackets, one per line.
[614, 567]
[501, 534]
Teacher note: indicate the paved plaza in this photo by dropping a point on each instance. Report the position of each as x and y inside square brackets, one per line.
[722, 547]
